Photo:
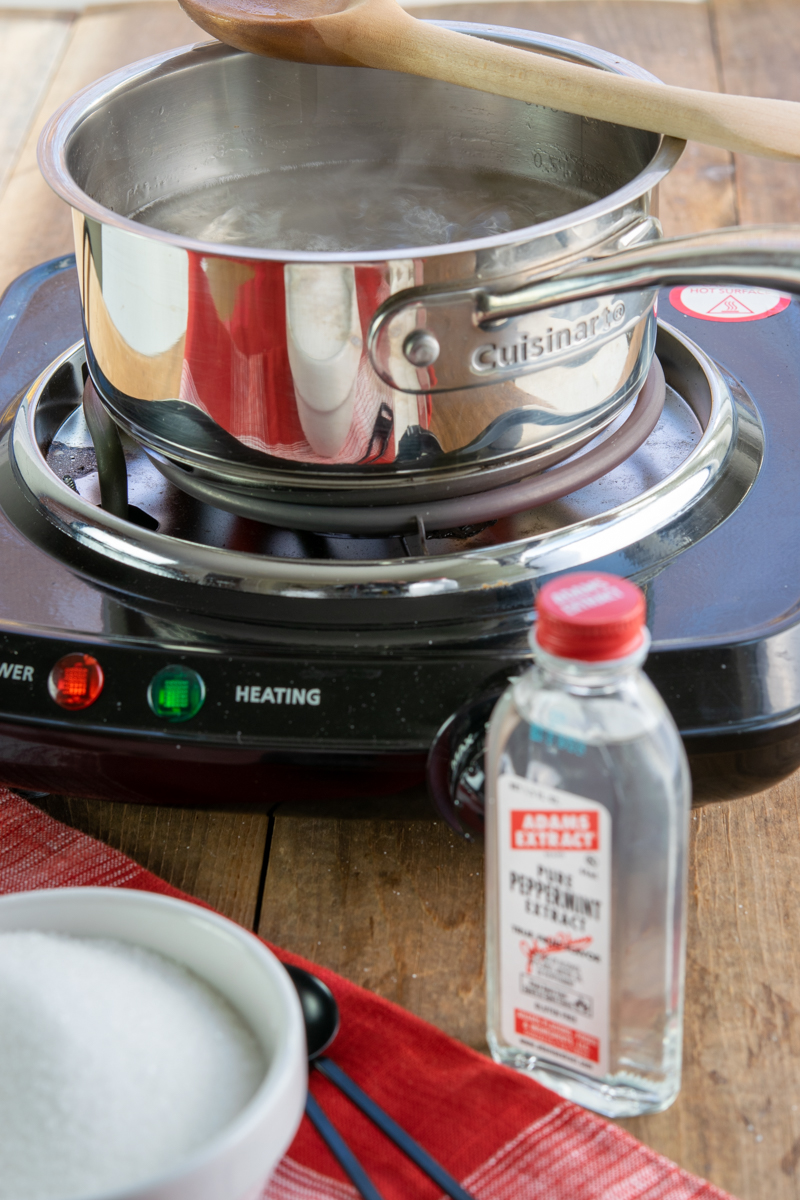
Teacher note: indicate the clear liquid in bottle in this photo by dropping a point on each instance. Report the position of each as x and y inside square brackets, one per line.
[586, 826]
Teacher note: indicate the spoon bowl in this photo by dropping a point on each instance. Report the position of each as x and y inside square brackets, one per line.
[320, 1010]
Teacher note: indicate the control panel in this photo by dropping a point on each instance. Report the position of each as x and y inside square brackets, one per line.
[149, 692]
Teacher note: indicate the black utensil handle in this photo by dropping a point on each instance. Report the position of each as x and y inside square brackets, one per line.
[392, 1130]
[340, 1150]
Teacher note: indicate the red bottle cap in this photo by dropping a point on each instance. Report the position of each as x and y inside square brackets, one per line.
[590, 617]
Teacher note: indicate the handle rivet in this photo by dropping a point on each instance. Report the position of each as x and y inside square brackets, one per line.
[421, 348]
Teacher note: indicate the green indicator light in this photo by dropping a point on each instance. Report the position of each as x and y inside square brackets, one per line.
[173, 695]
[176, 693]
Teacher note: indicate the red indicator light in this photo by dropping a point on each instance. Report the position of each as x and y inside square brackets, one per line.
[75, 681]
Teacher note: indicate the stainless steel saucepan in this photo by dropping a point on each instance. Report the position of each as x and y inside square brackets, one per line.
[365, 375]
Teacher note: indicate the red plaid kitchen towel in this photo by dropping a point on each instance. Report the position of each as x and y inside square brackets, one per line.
[503, 1135]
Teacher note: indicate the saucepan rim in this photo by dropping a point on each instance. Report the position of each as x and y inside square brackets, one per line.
[56, 135]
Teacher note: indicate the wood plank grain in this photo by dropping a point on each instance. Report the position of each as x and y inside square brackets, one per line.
[738, 1117]
[30, 51]
[216, 856]
[393, 902]
[675, 43]
[758, 57]
[36, 224]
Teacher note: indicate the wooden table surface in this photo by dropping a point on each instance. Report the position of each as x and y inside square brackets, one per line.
[390, 897]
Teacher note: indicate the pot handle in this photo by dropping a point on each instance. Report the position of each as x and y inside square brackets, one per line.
[469, 337]
[759, 256]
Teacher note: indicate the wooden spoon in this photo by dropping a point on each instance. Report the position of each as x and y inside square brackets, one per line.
[379, 33]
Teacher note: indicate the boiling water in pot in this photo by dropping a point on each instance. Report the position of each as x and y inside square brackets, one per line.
[361, 206]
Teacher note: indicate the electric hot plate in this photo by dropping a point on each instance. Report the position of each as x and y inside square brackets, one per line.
[186, 654]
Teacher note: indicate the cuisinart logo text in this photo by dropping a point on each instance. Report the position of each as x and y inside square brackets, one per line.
[253, 694]
[498, 356]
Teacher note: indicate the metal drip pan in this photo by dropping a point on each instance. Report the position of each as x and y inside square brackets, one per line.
[691, 473]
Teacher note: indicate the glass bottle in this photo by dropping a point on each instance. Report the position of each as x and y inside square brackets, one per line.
[587, 811]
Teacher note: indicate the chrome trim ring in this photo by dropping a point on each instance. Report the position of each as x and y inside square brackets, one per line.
[663, 520]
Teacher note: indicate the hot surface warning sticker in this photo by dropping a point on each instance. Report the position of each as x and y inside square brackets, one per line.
[728, 303]
[555, 923]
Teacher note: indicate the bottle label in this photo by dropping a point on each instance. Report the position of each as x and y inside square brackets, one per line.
[555, 923]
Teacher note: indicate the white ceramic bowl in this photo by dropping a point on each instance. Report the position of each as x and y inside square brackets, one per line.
[237, 1162]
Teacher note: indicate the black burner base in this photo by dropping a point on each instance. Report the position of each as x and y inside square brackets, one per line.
[723, 608]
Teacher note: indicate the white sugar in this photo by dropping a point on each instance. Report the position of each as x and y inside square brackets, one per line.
[115, 1063]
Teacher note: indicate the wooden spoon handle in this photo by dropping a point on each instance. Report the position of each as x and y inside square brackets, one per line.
[394, 40]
